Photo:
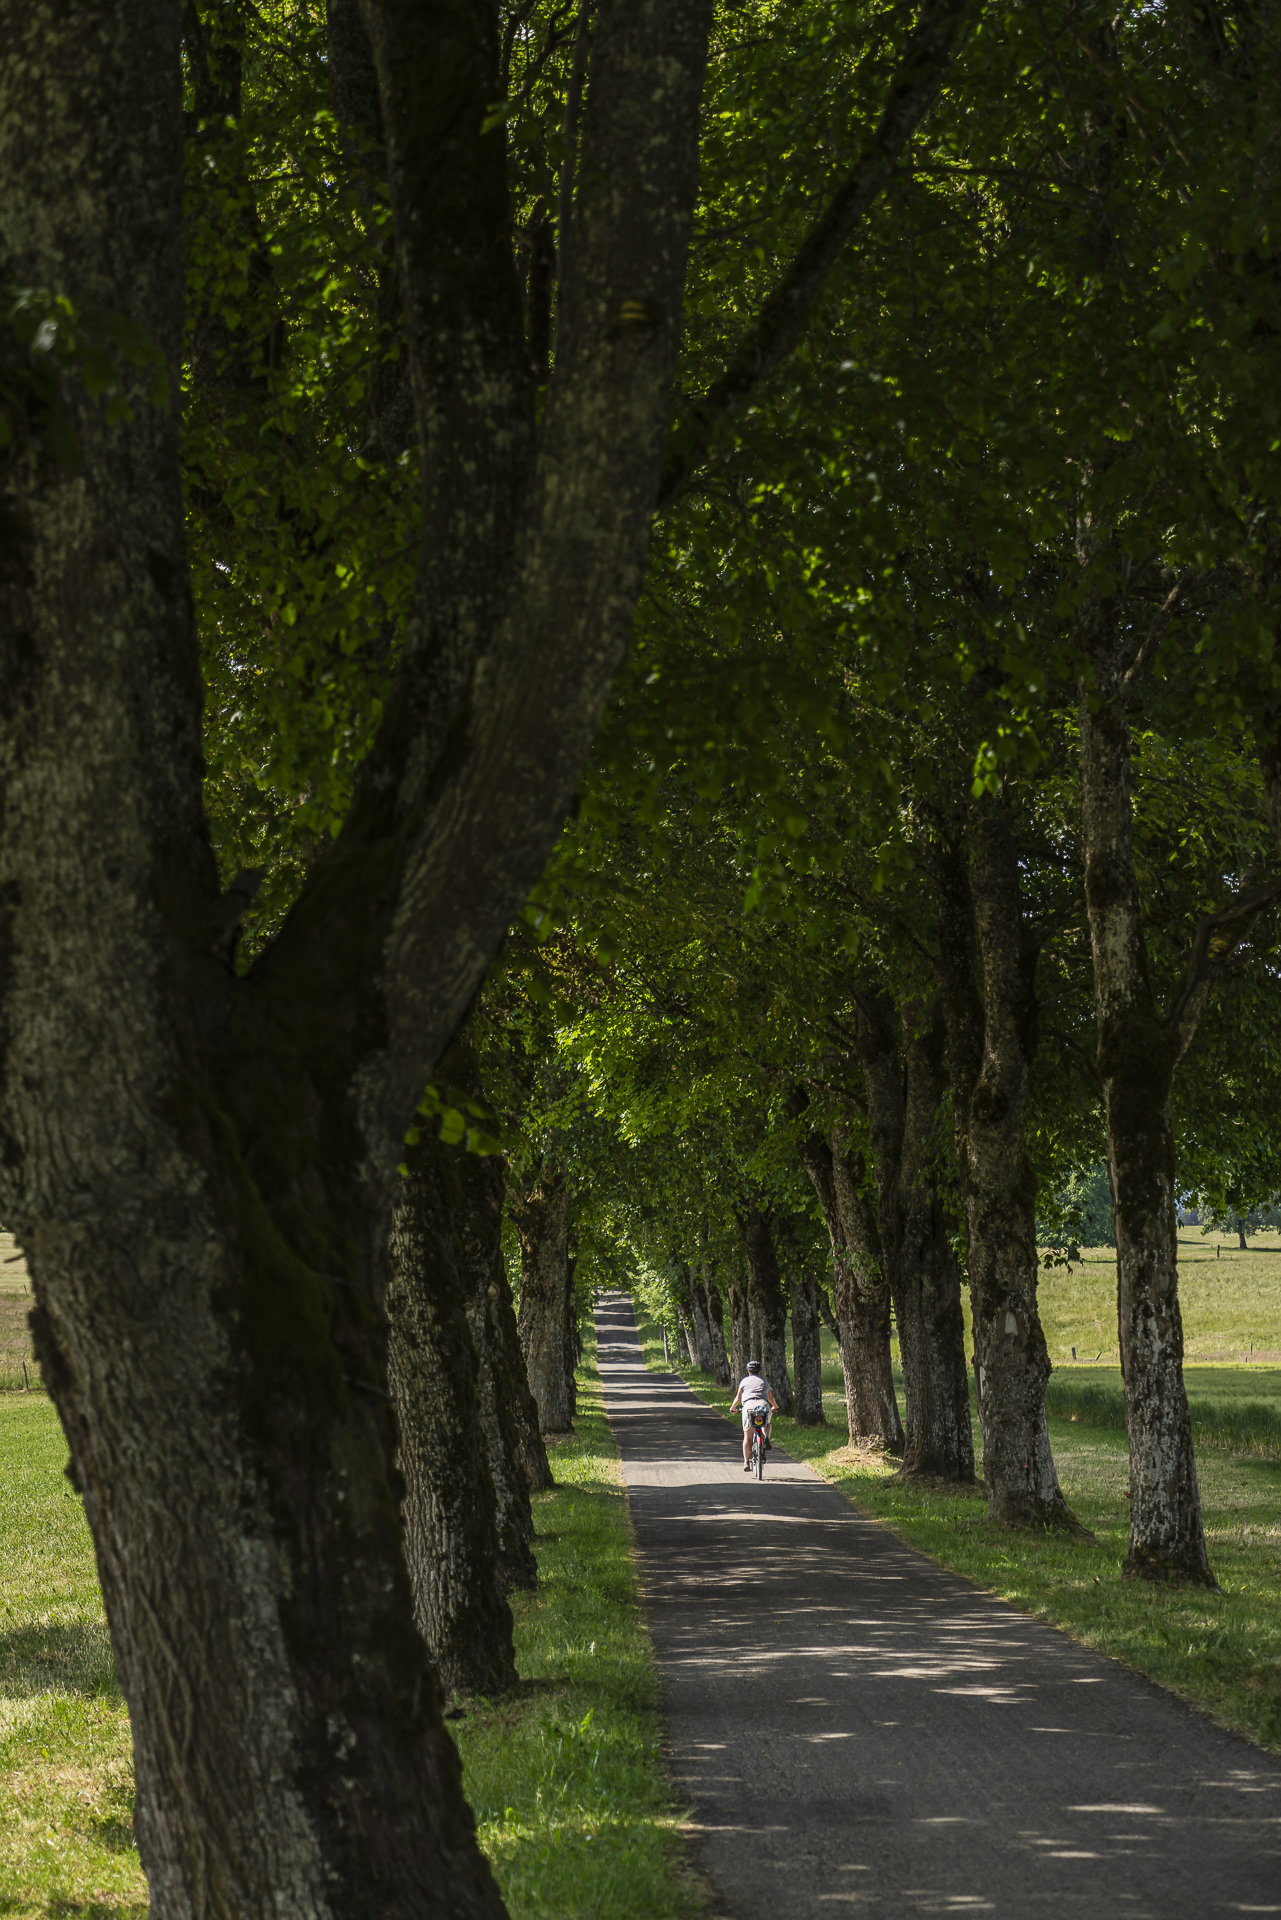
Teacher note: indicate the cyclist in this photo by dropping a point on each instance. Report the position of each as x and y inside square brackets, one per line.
[752, 1389]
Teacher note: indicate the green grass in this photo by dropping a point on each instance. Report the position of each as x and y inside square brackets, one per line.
[1221, 1651]
[1230, 1302]
[566, 1775]
[66, 1762]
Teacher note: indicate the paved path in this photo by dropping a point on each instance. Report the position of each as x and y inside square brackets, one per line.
[855, 1728]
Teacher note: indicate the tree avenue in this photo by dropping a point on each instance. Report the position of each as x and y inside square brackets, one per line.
[638, 649]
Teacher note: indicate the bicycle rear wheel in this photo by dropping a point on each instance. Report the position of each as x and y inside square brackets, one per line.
[758, 1454]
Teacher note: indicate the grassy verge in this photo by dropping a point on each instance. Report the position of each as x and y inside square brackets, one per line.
[565, 1776]
[1221, 1651]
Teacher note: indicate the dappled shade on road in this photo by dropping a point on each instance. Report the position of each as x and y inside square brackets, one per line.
[855, 1726]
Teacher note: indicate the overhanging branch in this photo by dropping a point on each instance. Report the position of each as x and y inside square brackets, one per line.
[1216, 939]
[782, 319]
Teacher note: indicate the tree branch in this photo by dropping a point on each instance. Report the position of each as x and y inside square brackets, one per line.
[1216, 939]
[782, 319]
[1139, 665]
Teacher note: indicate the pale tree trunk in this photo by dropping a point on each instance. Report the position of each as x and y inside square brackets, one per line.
[573, 1345]
[720, 1367]
[769, 1301]
[991, 1038]
[682, 1345]
[1138, 1052]
[860, 1290]
[449, 1507]
[940, 1435]
[542, 1225]
[201, 1165]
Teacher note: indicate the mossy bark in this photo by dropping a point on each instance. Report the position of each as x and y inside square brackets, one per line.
[1138, 1053]
[769, 1301]
[991, 1035]
[452, 1540]
[542, 1224]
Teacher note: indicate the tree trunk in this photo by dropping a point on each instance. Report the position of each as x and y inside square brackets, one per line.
[720, 1367]
[740, 1330]
[1138, 1052]
[698, 1320]
[449, 1508]
[683, 1359]
[769, 1301]
[806, 1353]
[1241, 1240]
[860, 1291]
[542, 1225]
[990, 1046]
[573, 1345]
[939, 1432]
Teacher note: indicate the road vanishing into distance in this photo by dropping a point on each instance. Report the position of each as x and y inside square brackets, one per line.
[855, 1729]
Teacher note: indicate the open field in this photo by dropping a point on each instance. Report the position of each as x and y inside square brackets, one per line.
[566, 1775]
[1221, 1651]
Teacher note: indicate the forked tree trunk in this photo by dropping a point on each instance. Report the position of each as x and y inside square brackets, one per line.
[991, 1039]
[939, 1431]
[769, 1303]
[1138, 1053]
[542, 1225]
[860, 1290]
[740, 1329]
[449, 1508]
[716, 1328]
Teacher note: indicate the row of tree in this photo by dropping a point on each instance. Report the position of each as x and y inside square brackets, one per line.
[960, 609]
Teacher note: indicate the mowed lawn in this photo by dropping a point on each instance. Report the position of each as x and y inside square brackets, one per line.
[1222, 1650]
[565, 1775]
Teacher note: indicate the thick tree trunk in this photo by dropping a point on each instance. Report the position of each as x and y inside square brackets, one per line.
[740, 1329]
[939, 1432]
[990, 1044]
[1138, 1052]
[769, 1303]
[860, 1290]
[449, 1507]
[806, 1353]
[720, 1367]
[684, 1359]
[542, 1224]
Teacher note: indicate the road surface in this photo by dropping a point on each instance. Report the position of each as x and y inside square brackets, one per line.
[856, 1729]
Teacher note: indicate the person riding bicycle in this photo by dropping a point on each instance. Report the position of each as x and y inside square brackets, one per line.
[754, 1390]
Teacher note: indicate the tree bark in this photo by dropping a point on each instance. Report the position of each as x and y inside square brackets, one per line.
[720, 1367]
[449, 1506]
[991, 1039]
[542, 1225]
[766, 1290]
[939, 1432]
[1138, 1053]
[702, 1337]
[860, 1290]
[740, 1330]
[807, 1361]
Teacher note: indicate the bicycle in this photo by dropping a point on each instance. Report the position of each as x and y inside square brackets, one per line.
[759, 1417]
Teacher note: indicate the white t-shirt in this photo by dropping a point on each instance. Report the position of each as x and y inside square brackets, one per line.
[754, 1386]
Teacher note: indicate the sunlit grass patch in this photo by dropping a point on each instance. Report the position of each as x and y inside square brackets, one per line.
[566, 1776]
[1222, 1651]
[66, 1764]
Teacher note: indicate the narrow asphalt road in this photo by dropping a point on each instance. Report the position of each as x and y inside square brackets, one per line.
[854, 1727]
